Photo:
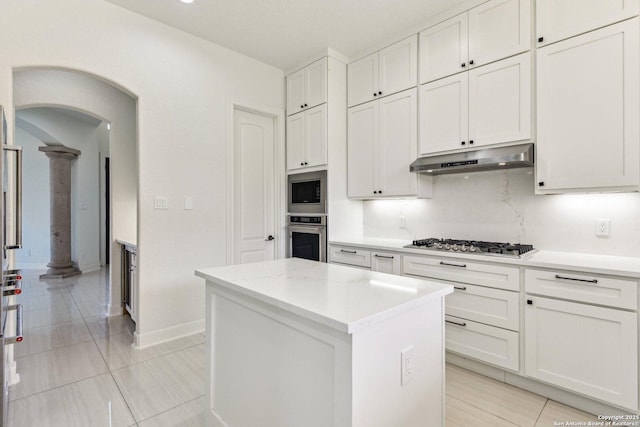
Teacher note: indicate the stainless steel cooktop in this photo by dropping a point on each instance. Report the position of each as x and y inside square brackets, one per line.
[511, 250]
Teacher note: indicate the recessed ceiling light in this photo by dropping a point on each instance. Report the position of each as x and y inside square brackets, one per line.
[186, 1]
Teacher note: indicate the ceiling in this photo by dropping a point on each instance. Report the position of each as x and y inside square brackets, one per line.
[285, 32]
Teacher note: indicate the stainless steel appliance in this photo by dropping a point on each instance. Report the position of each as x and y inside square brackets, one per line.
[513, 250]
[308, 237]
[308, 193]
[10, 312]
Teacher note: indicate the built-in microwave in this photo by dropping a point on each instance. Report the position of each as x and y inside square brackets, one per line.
[308, 193]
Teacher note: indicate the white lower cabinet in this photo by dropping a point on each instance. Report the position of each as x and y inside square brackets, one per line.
[488, 344]
[485, 305]
[584, 348]
[385, 262]
[350, 256]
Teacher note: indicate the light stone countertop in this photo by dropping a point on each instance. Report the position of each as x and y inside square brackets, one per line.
[588, 263]
[340, 297]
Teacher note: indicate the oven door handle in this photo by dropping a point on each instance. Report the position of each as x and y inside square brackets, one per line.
[305, 229]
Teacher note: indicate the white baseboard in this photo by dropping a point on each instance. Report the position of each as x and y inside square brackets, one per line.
[89, 267]
[114, 310]
[148, 339]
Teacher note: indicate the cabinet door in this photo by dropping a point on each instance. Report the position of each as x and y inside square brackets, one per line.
[397, 144]
[500, 101]
[587, 349]
[444, 117]
[398, 66]
[588, 108]
[295, 92]
[363, 79]
[558, 19]
[316, 136]
[362, 138]
[295, 141]
[315, 83]
[444, 49]
[498, 29]
[385, 262]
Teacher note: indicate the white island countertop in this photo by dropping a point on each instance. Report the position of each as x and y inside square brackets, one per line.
[342, 298]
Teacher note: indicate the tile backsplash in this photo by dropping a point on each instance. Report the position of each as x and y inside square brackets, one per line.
[501, 206]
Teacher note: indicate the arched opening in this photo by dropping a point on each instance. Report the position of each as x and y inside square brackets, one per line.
[86, 113]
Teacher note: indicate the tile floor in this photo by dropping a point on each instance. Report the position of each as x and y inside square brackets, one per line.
[78, 368]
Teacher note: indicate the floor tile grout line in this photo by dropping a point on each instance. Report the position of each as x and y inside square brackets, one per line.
[489, 412]
[57, 387]
[170, 409]
[540, 414]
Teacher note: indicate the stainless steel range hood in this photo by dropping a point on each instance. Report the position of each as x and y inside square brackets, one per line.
[514, 156]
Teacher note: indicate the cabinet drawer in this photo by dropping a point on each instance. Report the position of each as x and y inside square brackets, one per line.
[456, 270]
[485, 305]
[385, 262]
[486, 343]
[591, 288]
[350, 256]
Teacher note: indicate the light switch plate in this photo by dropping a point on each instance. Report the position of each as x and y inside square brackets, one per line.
[407, 362]
[160, 202]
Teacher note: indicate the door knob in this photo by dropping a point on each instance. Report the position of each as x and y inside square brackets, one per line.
[269, 238]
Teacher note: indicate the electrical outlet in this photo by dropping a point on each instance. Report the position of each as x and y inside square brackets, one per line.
[407, 367]
[160, 202]
[403, 222]
[602, 227]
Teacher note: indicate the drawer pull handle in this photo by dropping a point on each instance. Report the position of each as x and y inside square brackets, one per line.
[348, 252]
[384, 256]
[576, 280]
[460, 288]
[456, 323]
[453, 265]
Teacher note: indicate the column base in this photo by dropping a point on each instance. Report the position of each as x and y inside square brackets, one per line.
[60, 273]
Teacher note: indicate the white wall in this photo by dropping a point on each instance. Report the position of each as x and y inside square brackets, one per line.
[501, 206]
[85, 195]
[182, 85]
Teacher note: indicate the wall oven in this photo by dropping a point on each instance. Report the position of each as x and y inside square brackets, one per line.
[308, 237]
[308, 193]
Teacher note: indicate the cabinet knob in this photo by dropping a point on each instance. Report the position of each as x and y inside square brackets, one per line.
[306, 163]
[541, 184]
[540, 39]
[301, 163]
[375, 94]
[375, 192]
[471, 62]
[380, 93]
[471, 142]
[306, 105]
[530, 301]
[464, 64]
[301, 106]
[463, 143]
[379, 191]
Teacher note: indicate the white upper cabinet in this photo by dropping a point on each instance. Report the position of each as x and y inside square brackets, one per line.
[444, 49]
[307, 88]
[307, 138]
[361, 140]
[488, 105]
[500, 101]
[560, 19]
[498, 29]
[382, 142]
[391, 70]
[588, 94]
[444, 118]
[492, 31]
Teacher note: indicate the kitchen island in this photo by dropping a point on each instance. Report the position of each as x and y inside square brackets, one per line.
[295, 343]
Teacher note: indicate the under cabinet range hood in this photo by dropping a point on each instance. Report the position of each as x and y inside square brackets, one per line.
[513, 156]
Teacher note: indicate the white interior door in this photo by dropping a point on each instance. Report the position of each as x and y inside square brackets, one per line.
[253, 187]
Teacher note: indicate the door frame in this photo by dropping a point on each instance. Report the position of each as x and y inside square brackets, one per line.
[279, 168]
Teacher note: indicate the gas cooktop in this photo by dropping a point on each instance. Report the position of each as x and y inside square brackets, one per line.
[513, 250]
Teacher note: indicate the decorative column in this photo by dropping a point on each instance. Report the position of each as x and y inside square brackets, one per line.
[60, 159]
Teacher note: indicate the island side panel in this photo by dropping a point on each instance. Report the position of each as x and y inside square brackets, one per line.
[268, 367]
[379, 397]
